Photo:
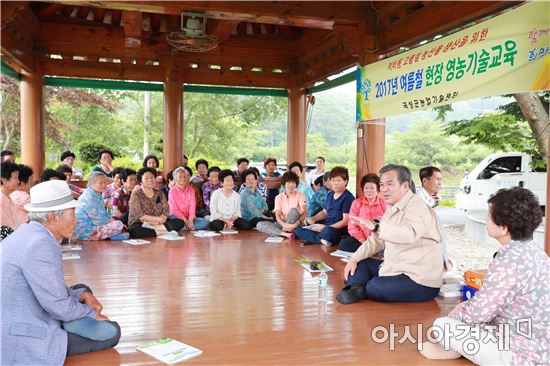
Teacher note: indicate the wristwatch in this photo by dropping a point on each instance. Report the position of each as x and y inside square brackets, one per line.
[376, 225]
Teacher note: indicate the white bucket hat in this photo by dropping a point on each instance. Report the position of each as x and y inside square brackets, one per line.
[52, 195]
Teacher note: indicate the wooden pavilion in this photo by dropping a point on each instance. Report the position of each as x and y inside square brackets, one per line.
[241, 301]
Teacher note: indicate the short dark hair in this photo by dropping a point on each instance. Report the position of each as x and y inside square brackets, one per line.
[189, 170]
[116, 171]
[142, 171]
[64, 168]
[67, 154]
[371, 178]
[518, 209]
[242, 160]
[25, 173]
[48, 174]
[105, 151]
[201, 161]
[427, 172]
[296, 163]
[339, 171]
[149, 157]
[125, 173]
[8, 168]
[248, 172]
[225, 173]
[170, 175]
[320, 157]
[6, 152]
[289, 176]
[403, 174]
[270, 160]
[320, 180]
[213, 169]
[185, 157]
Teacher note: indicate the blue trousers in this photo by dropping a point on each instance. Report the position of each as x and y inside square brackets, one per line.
[350, 244]
[329, 234]
[88, 334]
[398, 288]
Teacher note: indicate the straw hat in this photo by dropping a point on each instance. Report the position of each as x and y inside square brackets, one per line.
[52, 195]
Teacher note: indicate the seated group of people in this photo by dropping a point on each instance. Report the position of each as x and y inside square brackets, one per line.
[394, 233]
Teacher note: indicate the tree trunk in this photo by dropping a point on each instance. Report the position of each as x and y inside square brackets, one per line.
[535, 111]
[146, 121]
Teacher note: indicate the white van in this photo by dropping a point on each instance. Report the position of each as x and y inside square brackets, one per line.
[496, 171]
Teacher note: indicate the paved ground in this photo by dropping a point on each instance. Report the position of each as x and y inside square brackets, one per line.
[450, 215]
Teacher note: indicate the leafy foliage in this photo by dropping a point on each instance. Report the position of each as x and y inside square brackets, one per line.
[89, 151]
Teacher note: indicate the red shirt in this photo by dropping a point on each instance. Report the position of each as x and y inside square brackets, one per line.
[361, 207]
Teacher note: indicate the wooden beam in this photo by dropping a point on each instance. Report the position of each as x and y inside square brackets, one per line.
[102, 70]
[105, 70]
[437, 17]
[51, 9]
[132, 28]
[222, 29]
[116, 16]
[19, 25]
[310, 14]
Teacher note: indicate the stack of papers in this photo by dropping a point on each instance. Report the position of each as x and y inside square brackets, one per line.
[451, 290]
[226, 232]
[171, 235]
[70, 247]
[274, 239]
[70, 255]
[341, 254]
[136, 241]
[310, 227]
[205, 234]
[169, 351]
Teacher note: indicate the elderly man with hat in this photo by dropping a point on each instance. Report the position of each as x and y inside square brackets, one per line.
[68, 157]
[44, 320]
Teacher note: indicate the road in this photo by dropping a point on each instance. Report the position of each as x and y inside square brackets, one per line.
[450, 215]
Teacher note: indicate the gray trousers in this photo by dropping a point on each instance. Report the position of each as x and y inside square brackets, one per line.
[274, 228]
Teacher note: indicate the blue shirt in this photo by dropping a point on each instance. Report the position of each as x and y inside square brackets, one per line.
[337, 208]
[90, 213]
[252, 204]
[317, 202]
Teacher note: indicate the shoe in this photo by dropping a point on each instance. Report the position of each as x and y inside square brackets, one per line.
[292, 236]
[121, 236]
[326, 243]
[351, 294]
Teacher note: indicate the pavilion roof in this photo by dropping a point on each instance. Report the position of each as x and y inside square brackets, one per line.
[261, 44]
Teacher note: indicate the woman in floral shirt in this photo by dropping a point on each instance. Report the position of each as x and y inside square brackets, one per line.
[94, 222]
[513, 303]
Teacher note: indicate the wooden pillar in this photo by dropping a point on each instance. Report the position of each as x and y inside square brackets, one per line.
[547, 211]
[371, 142]
[297, 124]
[173, 121]
[33, 150]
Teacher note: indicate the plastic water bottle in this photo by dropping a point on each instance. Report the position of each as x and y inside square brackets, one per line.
[322, 288]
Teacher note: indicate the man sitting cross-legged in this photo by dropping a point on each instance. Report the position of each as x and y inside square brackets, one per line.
[408, 233]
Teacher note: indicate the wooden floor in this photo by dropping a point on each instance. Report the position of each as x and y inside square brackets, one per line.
[240, 300]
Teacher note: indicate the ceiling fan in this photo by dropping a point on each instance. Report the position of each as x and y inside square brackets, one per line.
[193, 37]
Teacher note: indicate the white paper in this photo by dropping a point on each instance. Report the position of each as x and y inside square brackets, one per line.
[226, 232]
[70, 247]
[274, 239]
[136, 241]
[309, 227]
[70, 255]
[205, 234]
[326, 269]
[341, 254]
[147, 225]
[171, 237]
[169, 350]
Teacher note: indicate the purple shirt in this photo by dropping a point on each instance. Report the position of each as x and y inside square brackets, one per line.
[207, 189]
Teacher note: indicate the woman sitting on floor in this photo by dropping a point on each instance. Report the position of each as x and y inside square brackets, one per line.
[209, 187]
[183, 203]
[8, 215]
[368, 207]
[298, 169]
[225, 206]
[332, 221]
[120, 200]
[253, 204]
[105, 158]
[112, 187]
[149, 207]
[94, 222]
[290, 209]
[513, 302]
[319, 198]
[22, 196]
[151, 161]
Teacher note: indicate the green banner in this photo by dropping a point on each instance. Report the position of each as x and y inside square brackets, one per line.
[509, 53]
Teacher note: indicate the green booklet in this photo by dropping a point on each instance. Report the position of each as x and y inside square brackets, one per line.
[169, 350]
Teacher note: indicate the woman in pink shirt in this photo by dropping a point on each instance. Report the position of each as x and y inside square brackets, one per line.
[10, 181]
[21, 196]
[290, 209]
[369, 207]
[507, 321]
[182, 201]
